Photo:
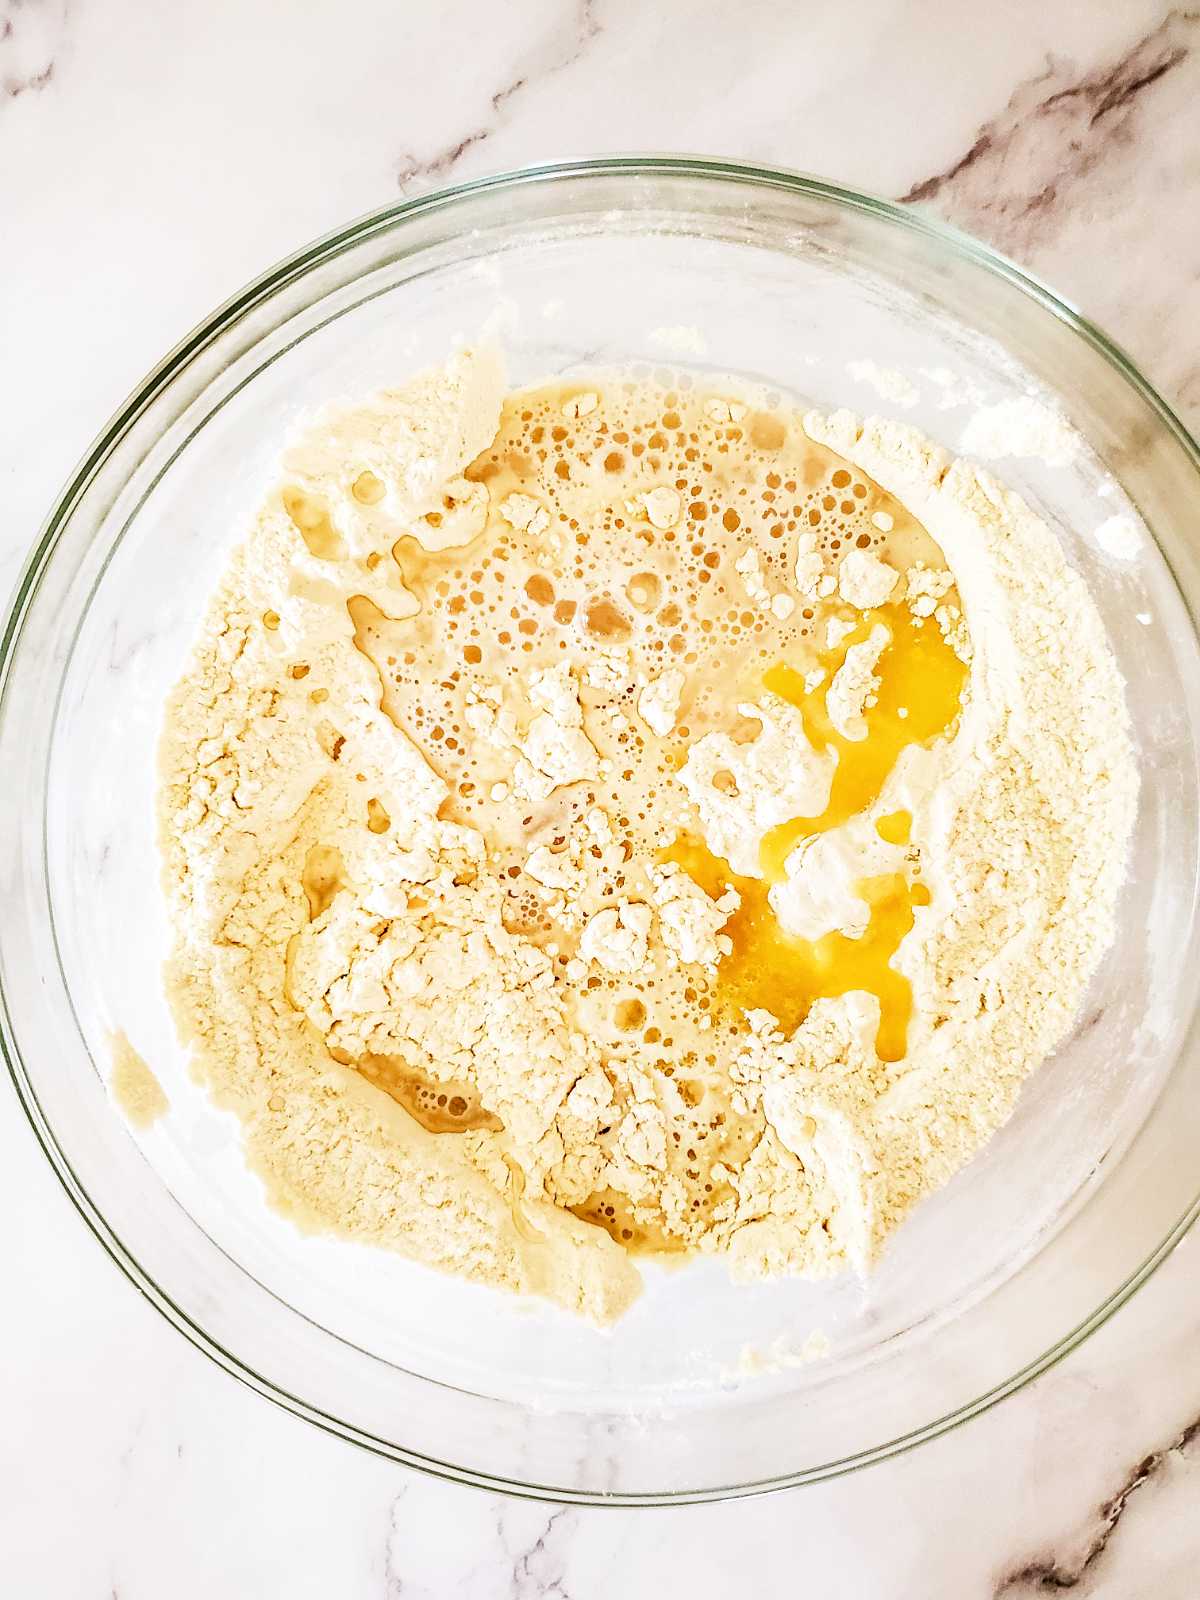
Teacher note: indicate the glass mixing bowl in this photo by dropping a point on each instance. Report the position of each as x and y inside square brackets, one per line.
[704, 1390]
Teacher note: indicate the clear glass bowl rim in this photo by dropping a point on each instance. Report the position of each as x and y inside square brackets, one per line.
[942, 235]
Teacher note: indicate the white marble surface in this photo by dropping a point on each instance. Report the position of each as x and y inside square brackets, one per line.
[154, 157]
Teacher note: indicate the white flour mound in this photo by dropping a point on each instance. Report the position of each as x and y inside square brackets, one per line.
[329, 925]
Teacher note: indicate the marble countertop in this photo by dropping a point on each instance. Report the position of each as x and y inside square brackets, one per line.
[152, 158]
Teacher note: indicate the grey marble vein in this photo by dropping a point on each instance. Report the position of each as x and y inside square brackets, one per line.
[393, 1579]
[1055, 128]
[1049, 1574]
[567, 45]
[538, 1567]
[30, 35]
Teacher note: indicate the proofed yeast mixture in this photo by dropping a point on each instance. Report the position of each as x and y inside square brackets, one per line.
[630, 817]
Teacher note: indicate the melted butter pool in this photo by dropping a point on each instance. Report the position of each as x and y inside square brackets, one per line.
[920, 694]
[919, 697]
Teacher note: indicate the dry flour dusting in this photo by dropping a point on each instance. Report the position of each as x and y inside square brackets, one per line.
[616, 818]
[133, 1085]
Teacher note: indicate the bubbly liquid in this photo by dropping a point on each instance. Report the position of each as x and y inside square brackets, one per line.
[438, 1105]
[602, 578]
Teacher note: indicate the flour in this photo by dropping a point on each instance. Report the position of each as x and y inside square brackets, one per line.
[555, 750]
[275, 1000]
[661, 506]
[809, 566]
[691, 920]
[524, 513]
[1118, 537]
[742, 790]
[819, 890]
[1024, 426]
[854, 684]
[618, 939]
[749, 565]
[864, 580]
[133, 1085]
[1024, 839]
[924, 588]
[438, 784]
[658, 702]
[888, 384]
[394, 461]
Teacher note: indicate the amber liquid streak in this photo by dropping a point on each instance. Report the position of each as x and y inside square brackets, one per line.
[920, 692]
[772, 970]
[919, 696]
[440, 1107]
